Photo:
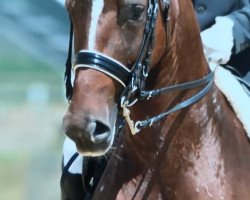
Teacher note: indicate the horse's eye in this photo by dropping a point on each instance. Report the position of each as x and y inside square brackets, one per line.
[136, 12]
[130, 13]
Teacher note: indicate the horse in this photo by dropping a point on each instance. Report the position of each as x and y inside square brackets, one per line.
[143, 59]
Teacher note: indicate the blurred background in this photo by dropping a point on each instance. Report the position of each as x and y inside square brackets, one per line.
[33, 49]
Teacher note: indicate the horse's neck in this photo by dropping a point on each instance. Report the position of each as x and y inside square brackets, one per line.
[184, 61]
[211, 118]
[197, 138]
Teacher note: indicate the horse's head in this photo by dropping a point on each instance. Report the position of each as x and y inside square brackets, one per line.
[113, 29]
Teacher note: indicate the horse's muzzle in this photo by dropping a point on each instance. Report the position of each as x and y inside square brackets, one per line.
[92, 137]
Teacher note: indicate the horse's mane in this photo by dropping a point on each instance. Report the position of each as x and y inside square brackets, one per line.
[185, 36]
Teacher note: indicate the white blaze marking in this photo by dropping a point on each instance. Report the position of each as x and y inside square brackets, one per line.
[97, 6]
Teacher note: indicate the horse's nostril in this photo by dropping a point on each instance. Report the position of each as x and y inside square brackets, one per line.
[87, 130]
[101, 129]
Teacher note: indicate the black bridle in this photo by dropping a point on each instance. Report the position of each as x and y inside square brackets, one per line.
[133, 80]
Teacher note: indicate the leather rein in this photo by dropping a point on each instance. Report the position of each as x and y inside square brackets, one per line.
[133, 80]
